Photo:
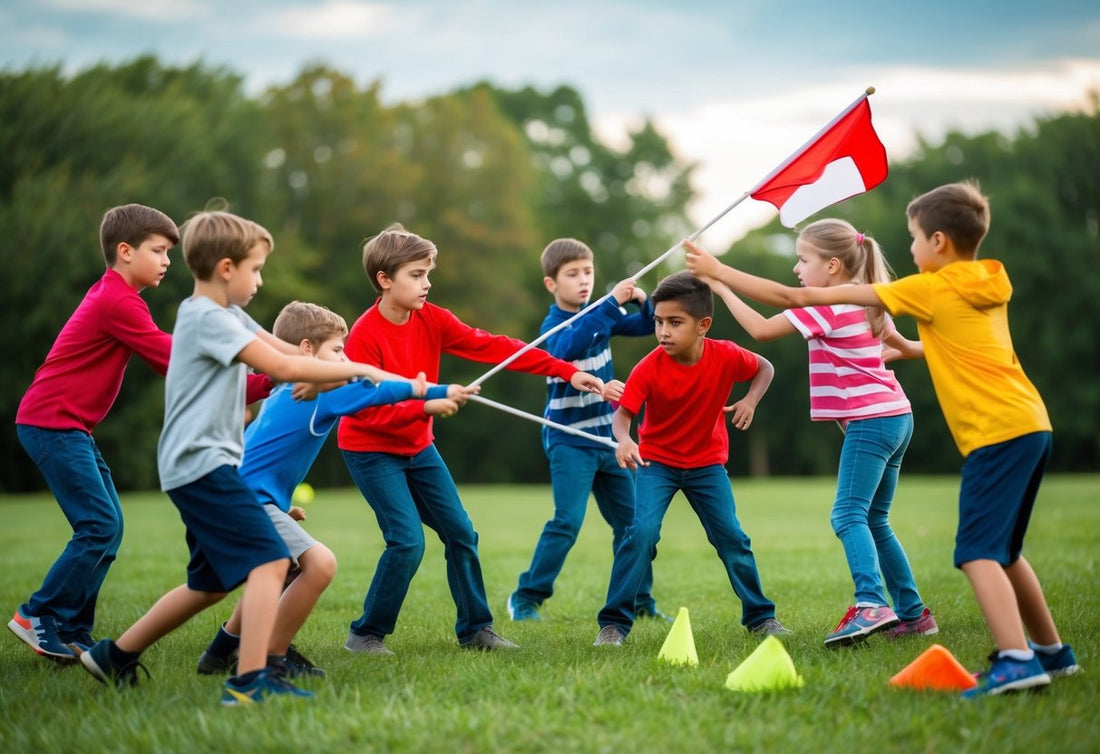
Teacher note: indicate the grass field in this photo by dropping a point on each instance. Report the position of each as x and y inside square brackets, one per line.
[560, 693]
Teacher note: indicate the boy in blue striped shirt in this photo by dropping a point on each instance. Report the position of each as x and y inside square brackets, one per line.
[579, 467]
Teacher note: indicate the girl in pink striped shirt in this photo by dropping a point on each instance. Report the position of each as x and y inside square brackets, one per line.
[850, 384]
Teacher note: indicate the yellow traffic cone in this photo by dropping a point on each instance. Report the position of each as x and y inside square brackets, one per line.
[769, 667]
[679, 646]
[935, 668]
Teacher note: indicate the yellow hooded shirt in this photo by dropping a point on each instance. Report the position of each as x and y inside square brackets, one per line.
[962, 319]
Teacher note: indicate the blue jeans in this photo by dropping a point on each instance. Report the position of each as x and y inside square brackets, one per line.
[81, 481]
[707, 490]
[408, 493]
[574, 473]
[870, 461]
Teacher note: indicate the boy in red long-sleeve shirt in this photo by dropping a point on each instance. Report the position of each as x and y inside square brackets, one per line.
[389, 450]
[71, 393]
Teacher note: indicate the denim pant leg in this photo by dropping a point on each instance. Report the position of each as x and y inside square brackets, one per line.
[614, 491]
[656, 484]
[383, 480]
[708, 491]
[870, 460]
[572, 471]
[441, 510]
[81, 481]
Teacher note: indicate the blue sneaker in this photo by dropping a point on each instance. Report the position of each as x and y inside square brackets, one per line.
[98, 661]
[1006, 674]
[42, 636]
[859, 623]
[1062, 662]
[518, 610]
[271, 681]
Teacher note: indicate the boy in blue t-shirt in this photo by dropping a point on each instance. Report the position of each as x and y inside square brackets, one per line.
[280, 446]
[579, 466]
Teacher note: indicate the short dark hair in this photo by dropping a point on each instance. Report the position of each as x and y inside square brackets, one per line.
[393, 248]
[958, 210]
[560, 252]
[132, 224]
[693, 294]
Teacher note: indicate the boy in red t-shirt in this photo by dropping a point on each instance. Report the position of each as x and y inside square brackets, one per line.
[684, 385]
[71, 393]
[389, 450]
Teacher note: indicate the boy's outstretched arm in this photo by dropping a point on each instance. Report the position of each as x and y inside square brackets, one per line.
[769, 292]
[745, 409]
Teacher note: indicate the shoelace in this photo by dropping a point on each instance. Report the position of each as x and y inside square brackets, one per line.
[849, 616]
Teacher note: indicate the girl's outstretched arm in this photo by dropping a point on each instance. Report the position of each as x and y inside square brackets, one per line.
[769, 292]
[758, 326]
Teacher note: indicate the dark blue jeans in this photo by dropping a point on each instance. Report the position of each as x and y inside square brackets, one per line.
[574, 474]
[406, 494]
[708, 491]
[81, 481]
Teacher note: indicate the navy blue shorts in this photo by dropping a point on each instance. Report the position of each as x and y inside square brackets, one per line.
[228, 531]
[999, 485]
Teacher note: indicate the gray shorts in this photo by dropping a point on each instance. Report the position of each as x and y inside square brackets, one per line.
[297, 539]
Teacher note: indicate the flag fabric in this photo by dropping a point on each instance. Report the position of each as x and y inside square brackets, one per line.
[845, 160]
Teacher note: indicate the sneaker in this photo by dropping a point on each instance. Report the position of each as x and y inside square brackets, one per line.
[1060, 663]
[79, 642]
[610, 636]
[97, 660]
[271, 681]
[859, 623]
[925, 625]
[651, 611]
[519, 610]
[368, 645]
[297, 665]
[486, 638]
[41, 635]
[770, 627]
[215, 664]
[1006, 674]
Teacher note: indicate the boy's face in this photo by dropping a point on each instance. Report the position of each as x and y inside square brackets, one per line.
[925, 249]
[146, 265]
[409, 286]
[329, 350]
[244, 278]
[678, 333]
[572, 287]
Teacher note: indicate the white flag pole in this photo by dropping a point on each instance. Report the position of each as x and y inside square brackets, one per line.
[794, 156]
[541, 420]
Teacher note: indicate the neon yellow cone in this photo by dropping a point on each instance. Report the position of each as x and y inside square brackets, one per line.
[769, 667]
[679, 646]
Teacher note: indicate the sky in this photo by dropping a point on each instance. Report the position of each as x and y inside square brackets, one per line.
[735, 86]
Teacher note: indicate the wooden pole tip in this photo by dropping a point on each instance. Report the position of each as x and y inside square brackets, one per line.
[870, 90]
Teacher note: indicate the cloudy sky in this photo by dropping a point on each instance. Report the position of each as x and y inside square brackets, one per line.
[735, 85]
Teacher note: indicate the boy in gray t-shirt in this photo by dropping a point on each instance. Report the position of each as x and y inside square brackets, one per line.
[200, 451]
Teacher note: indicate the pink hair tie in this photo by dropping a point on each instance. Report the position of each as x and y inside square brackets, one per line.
[859, 238]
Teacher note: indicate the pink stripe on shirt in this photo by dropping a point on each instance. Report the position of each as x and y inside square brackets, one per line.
[848, 379]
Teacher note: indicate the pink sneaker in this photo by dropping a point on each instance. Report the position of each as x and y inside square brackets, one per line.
[859, 623]
[925, 625]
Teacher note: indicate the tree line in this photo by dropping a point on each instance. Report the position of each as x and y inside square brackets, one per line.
[490, 175]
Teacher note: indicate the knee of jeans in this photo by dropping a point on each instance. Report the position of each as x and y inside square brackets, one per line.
[409, 553]
[567, 525]
[844, 519]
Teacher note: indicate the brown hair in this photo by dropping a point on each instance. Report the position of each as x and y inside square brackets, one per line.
[210, 236]
[693, 294]
[860, 254]
[132, 224]
[300, 321]
[562, 251]
[391, 249]
[958, 210]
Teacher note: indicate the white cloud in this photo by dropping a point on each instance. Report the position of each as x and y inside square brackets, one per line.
[334, 19]
[167, 11]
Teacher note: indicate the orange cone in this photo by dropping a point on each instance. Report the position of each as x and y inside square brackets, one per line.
[937, 669]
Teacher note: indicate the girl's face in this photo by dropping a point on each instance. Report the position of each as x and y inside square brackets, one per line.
[812, 269]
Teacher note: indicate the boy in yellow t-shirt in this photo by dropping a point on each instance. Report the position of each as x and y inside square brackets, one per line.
[995, 415]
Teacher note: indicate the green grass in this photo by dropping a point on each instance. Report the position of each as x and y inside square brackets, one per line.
[559, 693]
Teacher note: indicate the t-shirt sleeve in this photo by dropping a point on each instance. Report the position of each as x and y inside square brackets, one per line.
[910, 295]
[226, 333]
[811, 321]
[745, 364]
[636, 389]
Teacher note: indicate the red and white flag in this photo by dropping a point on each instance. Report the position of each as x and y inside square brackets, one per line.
[845, 159]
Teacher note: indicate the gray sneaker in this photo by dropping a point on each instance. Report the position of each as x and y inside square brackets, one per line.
[487, 639]
[367, 645]
[770, 627]
[610, 636]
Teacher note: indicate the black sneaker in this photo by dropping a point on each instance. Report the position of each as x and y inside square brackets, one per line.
[215, 664]
[297, 665]
[97, 661]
